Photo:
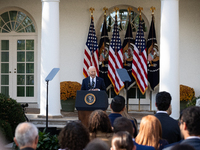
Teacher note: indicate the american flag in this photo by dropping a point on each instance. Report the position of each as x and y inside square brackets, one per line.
[139, 66]
[115, 60]
[91, 51]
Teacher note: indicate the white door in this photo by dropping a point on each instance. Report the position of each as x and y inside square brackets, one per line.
[18, 68]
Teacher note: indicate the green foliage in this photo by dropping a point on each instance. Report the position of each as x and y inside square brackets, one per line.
[6, 130]
[192, 102]
[11, 111]
[47, 141]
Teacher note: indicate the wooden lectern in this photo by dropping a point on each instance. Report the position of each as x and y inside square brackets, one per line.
[88, 101]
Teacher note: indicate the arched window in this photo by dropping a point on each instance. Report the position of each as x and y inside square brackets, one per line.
[122, 19]
[15, 21]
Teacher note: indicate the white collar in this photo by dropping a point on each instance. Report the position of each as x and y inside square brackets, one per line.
[160, 111]
[91, 79]
[193, 137]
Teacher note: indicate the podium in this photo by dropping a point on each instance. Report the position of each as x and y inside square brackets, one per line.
[88, 101]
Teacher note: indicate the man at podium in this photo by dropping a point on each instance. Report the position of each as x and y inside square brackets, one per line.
[93, 83]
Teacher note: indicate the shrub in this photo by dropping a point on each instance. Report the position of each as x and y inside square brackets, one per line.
[47, 141]
[11, 111]
[6, 130]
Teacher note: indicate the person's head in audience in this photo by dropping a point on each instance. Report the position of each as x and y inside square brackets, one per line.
[189, 122]
[99, 121]
[97, 144]
[123, 124]
[150, 132]
[73, 136]
[122, 140]
[118, 104]
[182, 147]
[163, 101]
[26, 135]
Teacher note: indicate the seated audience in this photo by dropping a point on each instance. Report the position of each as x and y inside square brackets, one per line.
[189, 124]
[117, 108]
[122, 141]
[124, 124]
[150, 133]
[100, 127]
[170, 128]
[183, 147]
[74, 136]
[97, 144]
[26, 136]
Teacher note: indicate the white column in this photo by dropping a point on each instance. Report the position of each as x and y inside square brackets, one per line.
[50, 57]
[169, 52]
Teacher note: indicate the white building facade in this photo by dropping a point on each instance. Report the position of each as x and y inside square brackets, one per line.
[52, 34]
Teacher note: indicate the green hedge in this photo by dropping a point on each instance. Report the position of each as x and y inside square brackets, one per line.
[11, 112]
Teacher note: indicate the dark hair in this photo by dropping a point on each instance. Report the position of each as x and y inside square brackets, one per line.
[182, 147]
[99, 121]
[97, 144]
[74, 136]
[123, 124]
[191, 116]
[118, 103]
[163, 100]
[122, 140]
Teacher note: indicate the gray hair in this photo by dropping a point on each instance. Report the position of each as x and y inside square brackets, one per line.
[26, 134]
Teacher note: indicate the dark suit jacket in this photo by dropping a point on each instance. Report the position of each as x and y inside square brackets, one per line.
[170, 128]
[99, 84]
[143, 147]
[194, 142]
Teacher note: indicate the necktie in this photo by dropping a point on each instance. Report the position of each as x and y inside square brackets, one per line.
[93, 82]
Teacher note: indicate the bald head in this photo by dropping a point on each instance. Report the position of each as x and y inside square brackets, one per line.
[26, 134]
[92, 71]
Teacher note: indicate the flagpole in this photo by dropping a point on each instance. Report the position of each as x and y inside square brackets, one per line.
[140, 10]
[152, 13]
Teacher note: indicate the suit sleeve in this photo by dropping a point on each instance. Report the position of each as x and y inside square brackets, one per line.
[103, 87]
[83, 85]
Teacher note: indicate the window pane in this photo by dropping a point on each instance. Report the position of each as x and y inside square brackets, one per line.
[6, 28]
[20, 79]
[20, 91]
[5, 90]
[9, 26]
[20, 28]
[29, 44]
[27, 21]
[30, 91]
[30, 28]
[29, 80]
[4, 31]
[16, 25]
[139, 94]
[4, 56]
[20, 56]
[4, 44]
[4, 67]
[20, 16]
[13, 15]
[20, 67]
[5, 16]
[4, 79]
[1, 22]
[13, 25]
[30, 56]
[132, 93]
[21, 45]
[30, 68]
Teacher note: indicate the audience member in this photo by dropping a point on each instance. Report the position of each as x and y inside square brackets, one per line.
[189, 125]
[124, 124]
[170, 128]
[74, 136]
[117, 107]
[97, 144]
[122, 141]
[100, 127]
[183, 147]
[150, 133]
[26, 136]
